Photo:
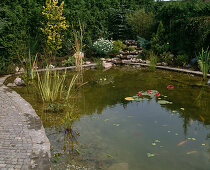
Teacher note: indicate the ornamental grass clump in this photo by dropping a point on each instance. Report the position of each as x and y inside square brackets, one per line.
[102, 47]
[52, 86]
[204, 62]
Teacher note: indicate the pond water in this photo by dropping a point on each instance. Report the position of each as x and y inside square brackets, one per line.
[104, 131]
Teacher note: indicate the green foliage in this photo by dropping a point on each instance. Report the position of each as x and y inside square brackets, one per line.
[99, 63]
[204, 62]
[29, 64]
[141, 22]
[52, 86]
[181, 60]
[131, 48]
[102, 47]
[153, 61]
[166, 57]
[186, 25]
[143, 42]
[158, 41]
[54, 25]
[117, 47]
[69, 62]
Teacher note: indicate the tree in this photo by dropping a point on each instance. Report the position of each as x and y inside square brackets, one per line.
[53, 26]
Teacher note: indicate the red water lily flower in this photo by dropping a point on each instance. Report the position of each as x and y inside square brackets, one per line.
[140, 93]
[149, 91]
[170, 86]
[157, 94]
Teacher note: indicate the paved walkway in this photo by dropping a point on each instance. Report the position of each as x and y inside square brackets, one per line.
[23, 142]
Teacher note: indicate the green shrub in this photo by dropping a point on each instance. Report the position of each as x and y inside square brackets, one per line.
[143, 42]
[204, 62]
[167, 57]
[153, 61]
[103, 47]
[117, 47]
[141, 22]
[181, 60]
[69, 62]
[159, 43]
[131, 48]
[144, 54]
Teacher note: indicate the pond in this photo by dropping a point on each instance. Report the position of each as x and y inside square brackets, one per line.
[105, 131]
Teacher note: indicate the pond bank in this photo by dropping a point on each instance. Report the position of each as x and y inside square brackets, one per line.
[23, 142]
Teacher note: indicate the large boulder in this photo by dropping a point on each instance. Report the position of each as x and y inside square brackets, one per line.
[19, 82]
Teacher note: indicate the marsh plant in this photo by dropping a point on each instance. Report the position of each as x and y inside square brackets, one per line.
[153, 61]
[78, 48]
[52, 86]
[204, 62]
[29, 64]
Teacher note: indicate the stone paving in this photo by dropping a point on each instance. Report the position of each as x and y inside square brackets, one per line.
[23, 142]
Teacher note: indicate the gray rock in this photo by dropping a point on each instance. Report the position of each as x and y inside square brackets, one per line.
[19, 82]
[11, 85]
[103, 59]
[208, 83]
[107, 65]
[164, 64]
[87, 62]
[126, 61]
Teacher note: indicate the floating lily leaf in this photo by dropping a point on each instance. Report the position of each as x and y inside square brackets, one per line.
[153, 144]
[164, 102]
[191, 152]
[182, 108]
[161, 146]
[203, 144]
[150, 155]
[176, 134]
[193, 139]
[109, 156]
[135, 97]
[189, 138]
[106, 120]
[129, 98]
[169, 131]
[116, 124]
[174, 111]
[159, 98]
[165, 96]
[157, 141]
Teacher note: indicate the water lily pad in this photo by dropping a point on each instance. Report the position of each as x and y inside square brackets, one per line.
[164, 102]
[106, 120]
[154, 144]
[150, 155]
[182, 108]
[129, 98]
[203, 144]
[157, 141]
[116, 124]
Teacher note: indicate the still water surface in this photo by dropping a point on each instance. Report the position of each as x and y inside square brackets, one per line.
[108, 132]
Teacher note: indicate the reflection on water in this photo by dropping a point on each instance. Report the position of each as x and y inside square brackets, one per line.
[98, 129]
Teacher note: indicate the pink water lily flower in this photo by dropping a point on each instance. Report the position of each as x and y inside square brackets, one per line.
[157, 94]
[140, 93]
[170, 86]
[149, 91]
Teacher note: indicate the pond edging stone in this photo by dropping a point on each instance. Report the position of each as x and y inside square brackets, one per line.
[23, 141]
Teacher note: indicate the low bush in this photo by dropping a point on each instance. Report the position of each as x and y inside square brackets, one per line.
[131, 48]
[142, 42]
[102, 47]
[69, 62]
[117, 47]
[182, 60]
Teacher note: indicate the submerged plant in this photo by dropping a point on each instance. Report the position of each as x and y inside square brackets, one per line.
[51, 85]
[203, 62]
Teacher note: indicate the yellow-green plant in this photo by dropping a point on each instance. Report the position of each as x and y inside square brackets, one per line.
[204, 62]
[51, 86]
[153, 61]
[29, 64]
[54, 25]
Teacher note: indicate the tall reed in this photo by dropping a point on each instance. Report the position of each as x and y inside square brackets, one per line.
[204, 62]
[29, 64]
[78, 47]
[153, 61]
[51, 86]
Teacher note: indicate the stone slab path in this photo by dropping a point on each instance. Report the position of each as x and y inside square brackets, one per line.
[23, 142]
